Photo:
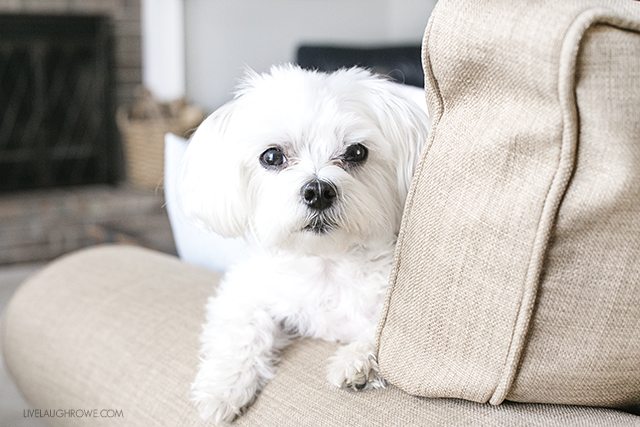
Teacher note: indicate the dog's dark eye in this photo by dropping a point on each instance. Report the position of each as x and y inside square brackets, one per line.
[273, 158]
[356, 153]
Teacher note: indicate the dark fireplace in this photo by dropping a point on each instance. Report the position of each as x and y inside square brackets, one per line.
[57, 119]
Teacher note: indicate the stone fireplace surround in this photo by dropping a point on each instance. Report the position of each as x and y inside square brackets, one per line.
[125, 18]
[39, 225]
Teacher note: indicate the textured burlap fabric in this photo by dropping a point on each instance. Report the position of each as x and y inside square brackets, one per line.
[117, 328]
[517, 271]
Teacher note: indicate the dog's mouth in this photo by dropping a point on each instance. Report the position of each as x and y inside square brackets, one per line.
[319, 225]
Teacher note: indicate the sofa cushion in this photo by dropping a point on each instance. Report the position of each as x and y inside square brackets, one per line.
[117, 328]
[517, 270]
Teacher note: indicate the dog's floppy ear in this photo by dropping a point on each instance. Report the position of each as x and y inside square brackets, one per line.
[212, 183]
[403, 120]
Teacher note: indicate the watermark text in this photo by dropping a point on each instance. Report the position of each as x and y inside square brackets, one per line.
[73, 413]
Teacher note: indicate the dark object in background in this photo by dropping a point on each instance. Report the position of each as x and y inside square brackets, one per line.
[401, 63]
[57, 119]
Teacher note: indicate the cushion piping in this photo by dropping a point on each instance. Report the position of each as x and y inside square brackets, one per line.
[438, 107]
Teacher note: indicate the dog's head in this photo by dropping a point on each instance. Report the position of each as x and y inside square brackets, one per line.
[305, 160]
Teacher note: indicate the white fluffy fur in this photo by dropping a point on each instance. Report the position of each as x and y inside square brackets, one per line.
[299, 283]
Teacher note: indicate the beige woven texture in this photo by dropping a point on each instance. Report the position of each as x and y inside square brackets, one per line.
[518, 266]
[117, 327]
[143, 141]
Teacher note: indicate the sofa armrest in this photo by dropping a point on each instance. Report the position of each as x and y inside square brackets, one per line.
[117, 328]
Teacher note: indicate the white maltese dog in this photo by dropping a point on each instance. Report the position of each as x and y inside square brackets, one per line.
[314, 168]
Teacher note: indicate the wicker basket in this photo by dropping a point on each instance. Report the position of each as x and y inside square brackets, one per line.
[143, 141]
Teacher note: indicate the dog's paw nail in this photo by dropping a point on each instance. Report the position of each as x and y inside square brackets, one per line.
[353, 367]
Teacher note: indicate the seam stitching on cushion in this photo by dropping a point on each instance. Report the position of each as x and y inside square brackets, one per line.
[571, 44]
[429, 76]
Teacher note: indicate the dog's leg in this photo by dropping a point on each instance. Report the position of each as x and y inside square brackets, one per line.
[240, 345]
[354, 366]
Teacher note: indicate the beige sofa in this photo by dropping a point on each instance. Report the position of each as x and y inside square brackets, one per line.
[516, 274]
[117, 328]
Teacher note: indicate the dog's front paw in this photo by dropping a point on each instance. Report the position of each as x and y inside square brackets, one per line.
[354, 366]
[221, 398]
[215, 408]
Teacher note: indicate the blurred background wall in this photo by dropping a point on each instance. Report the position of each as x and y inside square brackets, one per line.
[223, 36]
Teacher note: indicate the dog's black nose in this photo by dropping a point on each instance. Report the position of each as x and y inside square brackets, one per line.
[318, 195]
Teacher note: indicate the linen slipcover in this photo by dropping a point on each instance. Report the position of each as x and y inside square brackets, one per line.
[517, 272]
